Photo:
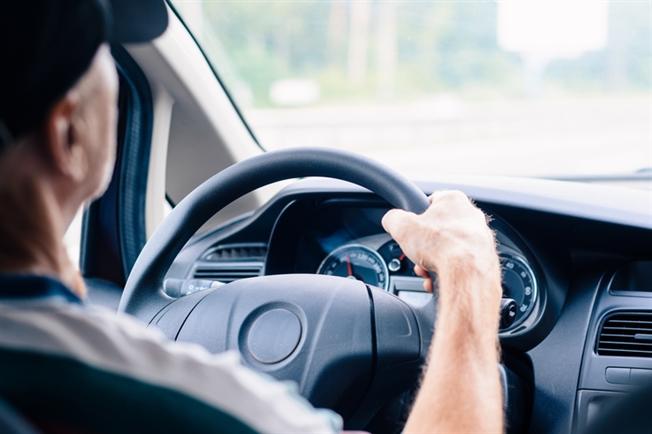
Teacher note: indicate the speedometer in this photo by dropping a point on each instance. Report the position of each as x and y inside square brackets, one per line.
[520, 285]
[355, 261]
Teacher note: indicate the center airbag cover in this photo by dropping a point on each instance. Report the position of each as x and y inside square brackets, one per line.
[273, 335]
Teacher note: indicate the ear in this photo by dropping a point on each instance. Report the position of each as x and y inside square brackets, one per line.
[63, 147]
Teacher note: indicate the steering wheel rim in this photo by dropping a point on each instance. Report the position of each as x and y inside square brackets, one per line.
[143, 295]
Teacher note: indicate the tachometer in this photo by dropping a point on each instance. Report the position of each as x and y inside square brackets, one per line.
[355, 261]
[520, 285]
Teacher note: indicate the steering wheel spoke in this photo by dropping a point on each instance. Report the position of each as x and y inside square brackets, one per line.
[347, 346]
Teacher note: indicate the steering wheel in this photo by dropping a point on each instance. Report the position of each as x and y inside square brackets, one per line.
[348, 346]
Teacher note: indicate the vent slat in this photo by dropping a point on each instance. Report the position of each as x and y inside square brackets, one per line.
[230, 262]
[233, 274]
[620, 351]
[636, 329]
[616, 336]
[618, 331]
[236, 253]
[627, 321]
[642, 344]
[227, 272]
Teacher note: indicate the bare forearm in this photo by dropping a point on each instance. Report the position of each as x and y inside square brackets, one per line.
[461, 388]
[461, 391]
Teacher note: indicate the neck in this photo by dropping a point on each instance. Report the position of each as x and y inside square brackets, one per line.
[32, 223]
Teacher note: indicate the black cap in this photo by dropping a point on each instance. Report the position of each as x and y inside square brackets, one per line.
[47, 45]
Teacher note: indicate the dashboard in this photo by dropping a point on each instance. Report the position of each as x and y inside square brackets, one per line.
[576, 265]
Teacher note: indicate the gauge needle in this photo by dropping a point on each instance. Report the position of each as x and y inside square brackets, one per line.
[349, 267]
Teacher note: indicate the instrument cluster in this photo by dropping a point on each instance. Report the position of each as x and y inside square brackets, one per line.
[388, 268]
[346, 239]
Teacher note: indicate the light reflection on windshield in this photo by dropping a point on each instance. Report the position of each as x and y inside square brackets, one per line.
[517, 87]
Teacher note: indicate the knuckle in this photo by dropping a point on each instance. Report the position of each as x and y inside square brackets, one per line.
[479, 215]
[456, 196]
[443, 197]
[436, 195]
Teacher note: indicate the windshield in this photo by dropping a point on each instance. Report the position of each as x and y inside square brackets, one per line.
[522, 87]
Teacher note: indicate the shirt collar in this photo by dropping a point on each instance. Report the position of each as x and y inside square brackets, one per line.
[14, 287]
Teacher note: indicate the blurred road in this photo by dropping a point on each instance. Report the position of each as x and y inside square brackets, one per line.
[445, 135]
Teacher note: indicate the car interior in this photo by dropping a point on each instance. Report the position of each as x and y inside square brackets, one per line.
[218, 238]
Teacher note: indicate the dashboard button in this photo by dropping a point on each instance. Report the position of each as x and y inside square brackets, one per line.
[618, 375]
[394, 265]
[508, 308]
[639, 377]
[401, 283]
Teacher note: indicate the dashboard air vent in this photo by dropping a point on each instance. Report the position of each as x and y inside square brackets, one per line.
[626, 334]
[231, 262]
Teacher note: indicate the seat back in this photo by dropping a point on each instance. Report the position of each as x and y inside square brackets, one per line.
[60, 394]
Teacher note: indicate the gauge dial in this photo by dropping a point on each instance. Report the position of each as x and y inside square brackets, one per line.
[397, 263]
[520, 285]
[357, 262]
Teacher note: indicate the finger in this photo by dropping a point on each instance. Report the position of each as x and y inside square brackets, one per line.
[438, 195]
[421, 272]
[396, 222]
[427, 280]
[450, 198]
[437, 201]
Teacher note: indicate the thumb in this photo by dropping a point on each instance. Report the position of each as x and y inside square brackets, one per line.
[396, 222]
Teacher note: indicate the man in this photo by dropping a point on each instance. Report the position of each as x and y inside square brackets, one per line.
[57, 145]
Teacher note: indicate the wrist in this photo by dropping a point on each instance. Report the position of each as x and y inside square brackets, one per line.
[474, 277]
[468, 339]
[469, 299]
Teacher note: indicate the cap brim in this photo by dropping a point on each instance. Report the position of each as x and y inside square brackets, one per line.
[138, 20]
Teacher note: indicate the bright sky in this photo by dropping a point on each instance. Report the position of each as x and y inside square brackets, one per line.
[552, 28]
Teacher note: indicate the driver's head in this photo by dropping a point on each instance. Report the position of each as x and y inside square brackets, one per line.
[58, 85]
[58, 94]
[72, 143]
[58, 111]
